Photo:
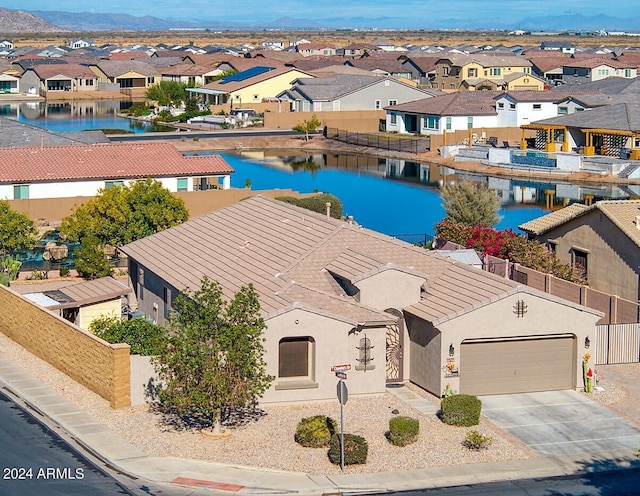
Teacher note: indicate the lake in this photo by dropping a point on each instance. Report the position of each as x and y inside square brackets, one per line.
[75, 115]
[400, 197]
[387, 195]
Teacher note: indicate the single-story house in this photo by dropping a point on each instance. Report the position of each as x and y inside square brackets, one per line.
[444, 113]
[333, 293]
[80, 303]
[46, 79]
[83, 170]
[249, 86]
[350, 92]
[601, 240]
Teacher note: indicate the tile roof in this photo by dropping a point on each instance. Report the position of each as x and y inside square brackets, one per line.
[458, 103]
[47, 71]
[103, 161]
[618, 116]
[84, 293]
[116, 68]
[487, 60]
[16, 134]
[231, 86]
[288, 254]
[547, 222]
[623, 213]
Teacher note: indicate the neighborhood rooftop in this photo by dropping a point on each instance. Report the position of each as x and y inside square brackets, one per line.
[103, 161]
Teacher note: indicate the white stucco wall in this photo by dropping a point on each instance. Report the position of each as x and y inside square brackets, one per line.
[89, 188]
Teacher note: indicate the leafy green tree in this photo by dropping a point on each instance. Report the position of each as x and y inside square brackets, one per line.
[471, 203]
[17, 231]
[167, 92]
[308, 126]
[145, 338]
[90, 259]
[214, 357]
[119, 215]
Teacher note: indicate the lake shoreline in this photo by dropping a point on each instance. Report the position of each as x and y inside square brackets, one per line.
[321, 144]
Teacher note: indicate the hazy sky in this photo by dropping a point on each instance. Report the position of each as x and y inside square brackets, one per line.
[267, 10]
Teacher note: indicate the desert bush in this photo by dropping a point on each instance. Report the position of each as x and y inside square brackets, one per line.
[477, 441]
[355, 449]
[145, 338]
[460, 409]
[403, 430]
[315, 432]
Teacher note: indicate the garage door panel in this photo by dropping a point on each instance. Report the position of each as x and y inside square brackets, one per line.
[517, 366]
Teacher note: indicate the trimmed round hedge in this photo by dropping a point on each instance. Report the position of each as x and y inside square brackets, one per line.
[315, 432]
[403, 430]
[460, 409]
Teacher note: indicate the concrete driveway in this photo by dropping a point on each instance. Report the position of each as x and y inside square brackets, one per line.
[557, 423]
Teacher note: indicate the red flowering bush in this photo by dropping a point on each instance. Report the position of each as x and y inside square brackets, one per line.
[507, 244]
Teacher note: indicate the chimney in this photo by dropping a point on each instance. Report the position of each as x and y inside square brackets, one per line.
[328, 205]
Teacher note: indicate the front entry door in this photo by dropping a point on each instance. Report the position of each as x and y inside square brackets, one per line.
[394, 348]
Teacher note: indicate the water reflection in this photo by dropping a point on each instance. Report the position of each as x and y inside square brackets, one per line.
[398, 196]
[75, 115]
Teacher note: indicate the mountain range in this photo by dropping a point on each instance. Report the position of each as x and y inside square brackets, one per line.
[15, 21]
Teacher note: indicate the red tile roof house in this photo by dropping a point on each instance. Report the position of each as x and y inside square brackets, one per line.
[334, 293]
[82, 170]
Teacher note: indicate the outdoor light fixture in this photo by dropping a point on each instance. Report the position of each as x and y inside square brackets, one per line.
[452, 350]
[587, 342]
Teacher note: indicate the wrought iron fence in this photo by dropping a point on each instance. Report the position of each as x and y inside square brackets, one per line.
[384, 141]
[423, 240]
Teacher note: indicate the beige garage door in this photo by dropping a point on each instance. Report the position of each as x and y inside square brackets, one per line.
[517, 365]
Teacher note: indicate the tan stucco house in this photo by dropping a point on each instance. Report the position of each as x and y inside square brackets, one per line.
[602, 240]
[333, 293]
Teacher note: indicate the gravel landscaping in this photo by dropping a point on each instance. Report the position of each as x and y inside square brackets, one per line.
[267, 439]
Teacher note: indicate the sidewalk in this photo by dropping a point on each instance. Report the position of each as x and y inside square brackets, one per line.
[117, 452]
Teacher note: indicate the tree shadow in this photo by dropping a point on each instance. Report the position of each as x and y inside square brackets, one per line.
[172, 420]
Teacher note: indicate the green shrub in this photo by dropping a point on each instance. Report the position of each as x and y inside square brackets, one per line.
[461, 410]
[403, 430]
[315, 432]
[38, 275]
[287, 199]
[477, 441]
[145, 338]
[64, 271]
[317, 203]
[355, 449]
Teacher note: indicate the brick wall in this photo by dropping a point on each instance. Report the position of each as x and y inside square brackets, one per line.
[102, 367]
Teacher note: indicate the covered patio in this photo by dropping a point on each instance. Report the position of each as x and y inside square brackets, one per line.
[609, 131]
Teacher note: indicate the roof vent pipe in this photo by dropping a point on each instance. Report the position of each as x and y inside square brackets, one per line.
[328, 205]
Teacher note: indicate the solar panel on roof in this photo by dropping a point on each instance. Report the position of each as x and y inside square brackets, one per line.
[249, 73]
